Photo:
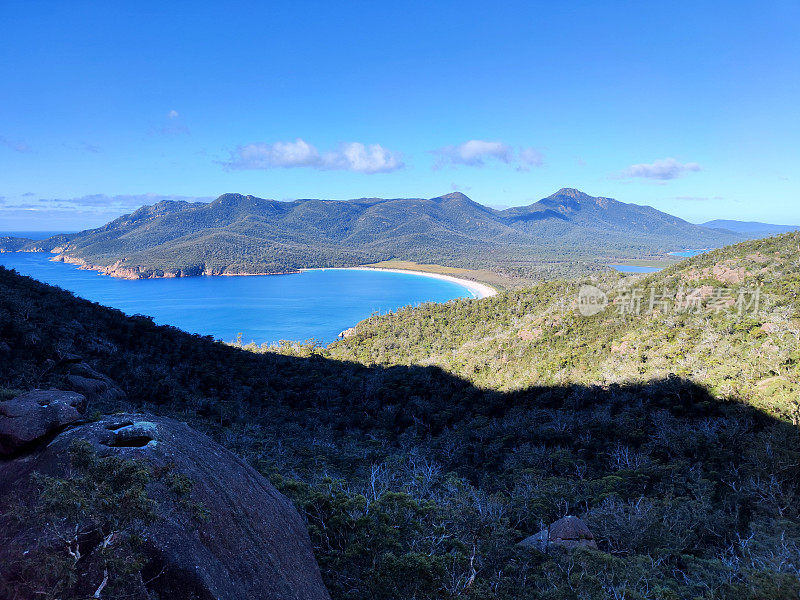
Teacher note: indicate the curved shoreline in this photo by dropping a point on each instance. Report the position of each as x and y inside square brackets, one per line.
[478, 290]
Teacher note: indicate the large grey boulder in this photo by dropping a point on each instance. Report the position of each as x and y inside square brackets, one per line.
[253, 546]
[97, 388]
[34, 415]
[568, 532]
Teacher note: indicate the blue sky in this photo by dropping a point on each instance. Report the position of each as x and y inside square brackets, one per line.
[691, 107]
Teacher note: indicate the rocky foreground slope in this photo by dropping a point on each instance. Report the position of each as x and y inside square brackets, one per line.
[138, 506]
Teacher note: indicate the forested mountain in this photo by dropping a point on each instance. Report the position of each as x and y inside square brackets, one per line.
[13, 244]
[423, 448]
[244, 234]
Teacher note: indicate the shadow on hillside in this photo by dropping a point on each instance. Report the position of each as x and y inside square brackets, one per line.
[47, 331]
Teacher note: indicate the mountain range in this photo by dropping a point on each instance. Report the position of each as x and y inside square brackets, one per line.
[753, 228]
[237, 234]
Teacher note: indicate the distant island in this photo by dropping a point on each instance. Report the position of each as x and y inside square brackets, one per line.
[565, 233]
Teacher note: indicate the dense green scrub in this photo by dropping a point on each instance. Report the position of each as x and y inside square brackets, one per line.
[423, 448]
[736, 331]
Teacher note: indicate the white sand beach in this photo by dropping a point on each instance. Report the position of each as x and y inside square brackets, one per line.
[478, 290]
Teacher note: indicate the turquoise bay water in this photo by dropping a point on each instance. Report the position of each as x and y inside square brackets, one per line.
[634, 269]
[268, 308]
[688, 253]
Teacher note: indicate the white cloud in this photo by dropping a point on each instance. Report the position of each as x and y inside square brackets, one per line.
[530, 157]
[173, 114]
[474, 153]
[280, 154]
[662, 169]
[354, 156]
[349, 156]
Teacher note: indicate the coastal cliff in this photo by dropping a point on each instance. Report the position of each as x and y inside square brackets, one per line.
[119, 270]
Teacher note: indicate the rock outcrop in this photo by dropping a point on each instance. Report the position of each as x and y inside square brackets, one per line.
[33, 416]
[726, 272]
[569, 532]
[254, 545]
[121, 270]
[530, 335]
[97, 388]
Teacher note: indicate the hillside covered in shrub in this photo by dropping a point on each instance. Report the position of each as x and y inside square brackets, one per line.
[423, 448]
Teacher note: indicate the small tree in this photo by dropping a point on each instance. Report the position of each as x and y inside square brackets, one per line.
[91, 519]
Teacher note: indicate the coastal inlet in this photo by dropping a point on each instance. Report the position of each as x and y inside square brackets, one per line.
[315, 304]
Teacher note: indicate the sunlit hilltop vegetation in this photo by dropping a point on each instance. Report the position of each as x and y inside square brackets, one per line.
[736, 329]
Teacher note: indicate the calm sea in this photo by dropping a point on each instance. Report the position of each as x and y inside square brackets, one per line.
[634, 269]
[310, 305]
[689, 253]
